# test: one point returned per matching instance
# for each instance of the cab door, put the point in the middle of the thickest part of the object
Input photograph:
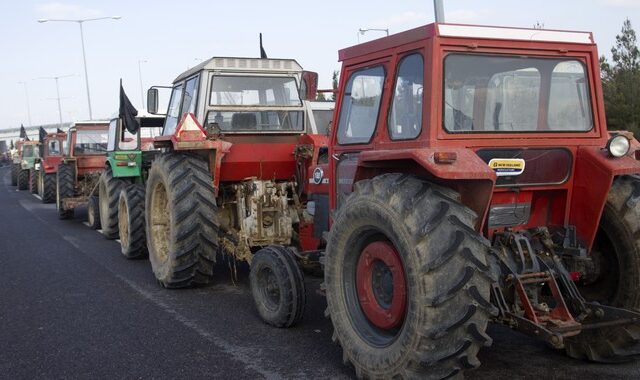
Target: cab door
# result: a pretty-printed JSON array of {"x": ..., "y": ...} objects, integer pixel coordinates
[{"x": 357, "y": 118}]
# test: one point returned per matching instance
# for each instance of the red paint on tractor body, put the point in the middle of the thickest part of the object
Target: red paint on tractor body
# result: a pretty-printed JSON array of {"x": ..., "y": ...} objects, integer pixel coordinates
[{"x": 578, "y": 199}]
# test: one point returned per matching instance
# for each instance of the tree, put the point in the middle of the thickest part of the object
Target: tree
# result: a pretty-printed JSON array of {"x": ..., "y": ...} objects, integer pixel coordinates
[
  {"x": 621, "y": 82},
  {"x": 11, "y": 145},
  {"x": 334, "y": 82},
  {"x": 320, "y": 97}
]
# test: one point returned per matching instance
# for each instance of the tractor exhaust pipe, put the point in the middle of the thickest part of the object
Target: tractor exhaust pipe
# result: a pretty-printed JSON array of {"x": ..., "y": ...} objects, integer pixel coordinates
[{"x": 439, "y": 11}]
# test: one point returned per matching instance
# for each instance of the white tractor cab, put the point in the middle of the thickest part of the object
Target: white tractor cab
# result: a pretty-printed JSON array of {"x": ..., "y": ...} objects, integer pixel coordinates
[{"x": 241, "y": 96}]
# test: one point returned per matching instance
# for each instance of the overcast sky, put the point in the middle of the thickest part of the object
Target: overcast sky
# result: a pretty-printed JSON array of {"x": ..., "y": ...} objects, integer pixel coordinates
[{"x": 174, "y": 35}]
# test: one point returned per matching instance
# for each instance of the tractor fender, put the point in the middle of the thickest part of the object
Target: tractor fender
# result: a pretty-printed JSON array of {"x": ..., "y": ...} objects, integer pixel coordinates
[
  {"x": 468, "y": 174},
  {"x": 593, "y": 178}
]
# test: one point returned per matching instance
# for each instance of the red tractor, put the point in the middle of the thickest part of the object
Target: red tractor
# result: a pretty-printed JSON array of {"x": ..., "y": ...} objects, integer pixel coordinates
[
  {"x": 80, "y": 168},
  {"x": 239, "y": 144},
  {"x": 43, "y": 178},
  {"x": 473, "y": 179}
]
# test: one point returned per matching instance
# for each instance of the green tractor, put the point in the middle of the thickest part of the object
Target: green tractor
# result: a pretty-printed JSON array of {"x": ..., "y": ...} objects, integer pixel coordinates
[
  {"x": 121, "y": 186},
  {"x": 24, "y": 163}
]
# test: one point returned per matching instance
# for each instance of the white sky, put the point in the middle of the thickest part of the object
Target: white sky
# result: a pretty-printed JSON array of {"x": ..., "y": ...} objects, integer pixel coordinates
[{"x": 174, "y": 35}]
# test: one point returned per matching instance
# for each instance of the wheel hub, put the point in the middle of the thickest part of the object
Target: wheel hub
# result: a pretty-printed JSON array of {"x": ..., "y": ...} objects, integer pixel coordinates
[{"x": 381, "y": 285}]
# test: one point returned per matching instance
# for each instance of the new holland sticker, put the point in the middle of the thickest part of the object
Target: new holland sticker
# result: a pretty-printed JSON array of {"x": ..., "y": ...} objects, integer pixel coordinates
[{"x": 507, "y": 166}]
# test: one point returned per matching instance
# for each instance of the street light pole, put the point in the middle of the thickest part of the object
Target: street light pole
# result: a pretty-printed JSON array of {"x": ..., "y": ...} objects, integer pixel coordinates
[
  {"x": 140, "y": 61},
  {"x": 364, "y": 30},
  {"x": 56, "y": 78},
  {"x": 84, "y": 56},
  {"x": 86, "y": 74},
  {"x": 26, "y": 95}
]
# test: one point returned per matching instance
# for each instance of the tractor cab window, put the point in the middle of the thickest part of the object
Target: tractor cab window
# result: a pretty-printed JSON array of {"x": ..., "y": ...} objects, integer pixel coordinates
[
  {"x": 360, "y": 106},
  {"x": 127, "y": 141},
  {"x": 254, "y": 103},
  {"x": 173, "y": 113},
  {"x": 514, "y": 94},
  {"x": 28, "y": 151},
  {"x": 189, "y": 97},
  {"x": 54, "y": 148},
  {"x": 323, "y": 119},
  {"x": 90, "y": 142},
  {"x": 405, "y": 118}
]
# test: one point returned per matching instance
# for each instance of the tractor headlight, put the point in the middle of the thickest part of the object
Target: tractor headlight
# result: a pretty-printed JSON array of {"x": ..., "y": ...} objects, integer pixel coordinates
[{"x": 618, "y": 145}]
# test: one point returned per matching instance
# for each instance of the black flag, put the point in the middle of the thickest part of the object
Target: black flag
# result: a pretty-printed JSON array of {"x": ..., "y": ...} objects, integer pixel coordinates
[
  {"x": 23, "y": 133},
  {"x": 128, "y": 112},
  {"x": 42, "y": 133},
  {"x": 263, "y": 54},
  {"x": 58, "y": 130}
]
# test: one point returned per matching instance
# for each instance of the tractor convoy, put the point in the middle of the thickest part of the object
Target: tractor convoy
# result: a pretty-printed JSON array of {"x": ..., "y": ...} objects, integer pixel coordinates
[{"x": 466, "y": 176}]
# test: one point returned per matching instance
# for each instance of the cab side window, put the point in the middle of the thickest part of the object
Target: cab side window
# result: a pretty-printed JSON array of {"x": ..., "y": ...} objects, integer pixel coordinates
[
  {"x": 360, "y": 106},
  {"x": 405, "y": 117}
]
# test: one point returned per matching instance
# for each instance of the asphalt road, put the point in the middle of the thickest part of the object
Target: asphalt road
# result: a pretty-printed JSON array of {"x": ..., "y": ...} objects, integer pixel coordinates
[{"x": 71, "y": 306}]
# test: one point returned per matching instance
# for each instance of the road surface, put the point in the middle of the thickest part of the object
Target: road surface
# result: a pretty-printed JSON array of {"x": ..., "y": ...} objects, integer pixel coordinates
[{"x": 71, "y": 306}]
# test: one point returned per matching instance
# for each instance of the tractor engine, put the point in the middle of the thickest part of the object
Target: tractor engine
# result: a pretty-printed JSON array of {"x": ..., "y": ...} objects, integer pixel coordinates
[{"x": 257, "y": 213}]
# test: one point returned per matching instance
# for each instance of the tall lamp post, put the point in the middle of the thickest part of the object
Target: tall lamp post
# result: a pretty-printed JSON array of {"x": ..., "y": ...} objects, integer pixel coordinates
[
  {"x": 362, "y": 31},
  {"x": 56, "y": 78},
  {"x": 26, "y": 95},
  {"x": 84, "y": 56},
  {"x": 140, "y": 62}
]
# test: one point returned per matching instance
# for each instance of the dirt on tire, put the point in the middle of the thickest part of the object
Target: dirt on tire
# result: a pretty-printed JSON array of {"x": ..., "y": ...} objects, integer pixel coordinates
[{"x": 181, "y": 220}]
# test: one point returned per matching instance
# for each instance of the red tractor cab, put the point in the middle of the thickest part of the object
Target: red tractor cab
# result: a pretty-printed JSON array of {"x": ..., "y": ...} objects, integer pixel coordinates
[
  {"x": 474, "y": 179},
  {"x": 81, "y": 166},
  {"x": 52, "y": 151}
]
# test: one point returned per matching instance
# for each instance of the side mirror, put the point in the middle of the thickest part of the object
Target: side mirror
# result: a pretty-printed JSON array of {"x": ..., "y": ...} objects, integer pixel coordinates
[
  {"x": 309, "y": 85},
  {"x": 152, "y": 101}
]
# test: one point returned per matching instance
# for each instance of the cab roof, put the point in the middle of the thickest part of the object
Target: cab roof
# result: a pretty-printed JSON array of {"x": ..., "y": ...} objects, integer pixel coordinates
[
  {"x": 435, "y": 30},
  {"x": 239, "y": 64}
]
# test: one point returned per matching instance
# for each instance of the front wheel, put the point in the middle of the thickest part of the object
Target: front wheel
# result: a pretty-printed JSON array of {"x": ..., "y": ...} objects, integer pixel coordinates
[
  {"x": 15, "y": 168},
  {"x": 33, "y": 181},
  {"x": 47, "y": 187},
  {"x": 407, "y": 280},
  {"x": 23, "y": 179},
  {"x": 93, "y": 213},
  {"x": 133, "y": 240},
  {"x": 181, "y": 220},
  {"x": 277, "y": 286},
  {"x": 65, "y": 188},
  {"x": 108, "y": 194},
  {"x": 616, "y": 252}
]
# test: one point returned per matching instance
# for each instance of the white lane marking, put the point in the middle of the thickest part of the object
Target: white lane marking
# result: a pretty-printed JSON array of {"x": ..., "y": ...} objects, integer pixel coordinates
[{"x": 37, "y": 196}]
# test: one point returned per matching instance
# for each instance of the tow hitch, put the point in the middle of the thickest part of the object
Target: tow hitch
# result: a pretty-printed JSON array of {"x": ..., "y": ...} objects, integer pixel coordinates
[{"x": 535, "y": 293}]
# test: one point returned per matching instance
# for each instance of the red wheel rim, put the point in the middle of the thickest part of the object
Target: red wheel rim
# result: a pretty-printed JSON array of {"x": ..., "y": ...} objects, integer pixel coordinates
[{"x": 381, "y": 285}]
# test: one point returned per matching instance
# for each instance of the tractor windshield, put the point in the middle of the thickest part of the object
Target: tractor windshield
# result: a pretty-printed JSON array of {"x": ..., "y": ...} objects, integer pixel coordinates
[
  {"x": 515, "y": 94},
  {"x": 28, "y": 151},
  {"x": 255, "y": 103},
  {"x": 91, "y": 142}
]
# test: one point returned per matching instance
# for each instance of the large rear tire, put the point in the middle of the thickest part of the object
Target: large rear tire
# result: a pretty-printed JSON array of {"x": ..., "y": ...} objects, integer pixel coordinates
[
  {"x": 109, "y": 194},
  {"x": 617, "y": 254},
  {"x": 48, "y": 187},
  {"x": 277, "y": 286},
  {"x": 407, "y": 280},
  {"x": 15, "y": 168},
  {"x": 23, "y": 179},
  {"x": 131, "y": 225},
  {"x": 65, "y": 188},
  {"x": 181, "y": 220}
]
